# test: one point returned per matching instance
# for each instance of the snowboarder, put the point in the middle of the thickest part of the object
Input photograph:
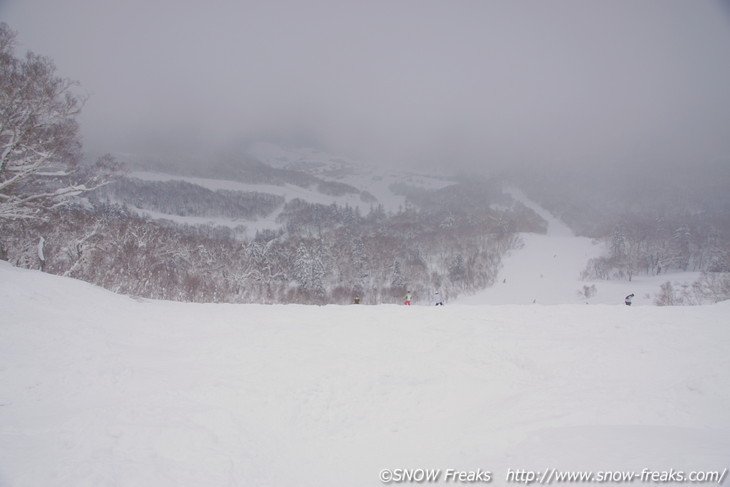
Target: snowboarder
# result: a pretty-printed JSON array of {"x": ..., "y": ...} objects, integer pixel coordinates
[
  {"x": 407, "y": 298},
  {"x": 437, "y": 299},
  {"x": 356, "y": 300},
  {"x": 628, "y": 299}
]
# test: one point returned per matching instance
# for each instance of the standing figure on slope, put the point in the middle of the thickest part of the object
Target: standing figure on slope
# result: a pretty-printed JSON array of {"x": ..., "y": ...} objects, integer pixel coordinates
[
  {"x": 356, "y": 300},
  {"x": 407, "y": 298},
  {"x": 438, "y": 299},
  {"x": 628, "y": 299}
]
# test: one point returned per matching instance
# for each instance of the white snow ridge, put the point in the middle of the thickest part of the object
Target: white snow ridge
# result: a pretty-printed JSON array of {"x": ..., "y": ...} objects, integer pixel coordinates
[{"x": 98, "y": 389}]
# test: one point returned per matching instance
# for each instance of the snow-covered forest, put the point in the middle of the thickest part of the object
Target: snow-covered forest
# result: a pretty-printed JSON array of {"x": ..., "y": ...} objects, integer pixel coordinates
[
  {"x": 300, "y": 226},
  {"x": 320, "y": 253},
  {"x": 87, "y": 221},
  {"x": 132, "y": 237}
]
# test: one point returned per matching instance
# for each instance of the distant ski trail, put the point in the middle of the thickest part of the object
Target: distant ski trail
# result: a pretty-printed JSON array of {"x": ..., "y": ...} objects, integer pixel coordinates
[
  {"x": 548, "y": 269},
  {"x": 556, "y": 226}
]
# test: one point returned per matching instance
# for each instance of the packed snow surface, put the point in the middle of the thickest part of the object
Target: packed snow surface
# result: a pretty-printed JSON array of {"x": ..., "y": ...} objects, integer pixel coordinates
[{"x": 98, "y": 389}]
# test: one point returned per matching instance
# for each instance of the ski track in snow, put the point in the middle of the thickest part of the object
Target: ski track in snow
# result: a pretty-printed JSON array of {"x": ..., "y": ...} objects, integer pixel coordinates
[{"x": 98, "y": 389}]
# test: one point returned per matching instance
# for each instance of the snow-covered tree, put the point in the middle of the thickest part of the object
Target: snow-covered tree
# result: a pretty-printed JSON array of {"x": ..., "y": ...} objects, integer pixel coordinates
[
  {"x": 309, "y": 270},
  {"x": 40, "y": 147},
  {"x": 682, "y": 248},
  {"x": 397, "y": 280},
  {"x": 457, "y": 269}
]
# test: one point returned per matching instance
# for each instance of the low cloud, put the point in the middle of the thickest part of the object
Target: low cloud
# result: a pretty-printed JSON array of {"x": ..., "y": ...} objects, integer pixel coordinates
[{"x": 462, "y": 84}]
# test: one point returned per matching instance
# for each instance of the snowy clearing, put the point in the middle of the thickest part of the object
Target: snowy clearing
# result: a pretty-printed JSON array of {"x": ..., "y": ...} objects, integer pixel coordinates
[{"x": 98, "y": 389}]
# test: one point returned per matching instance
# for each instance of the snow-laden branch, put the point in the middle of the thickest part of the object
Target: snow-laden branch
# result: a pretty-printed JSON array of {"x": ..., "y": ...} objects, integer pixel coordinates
[{"x": 39, "y": 139}]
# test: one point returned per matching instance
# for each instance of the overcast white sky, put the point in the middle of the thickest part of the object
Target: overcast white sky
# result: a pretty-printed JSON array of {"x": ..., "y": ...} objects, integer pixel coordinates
[{"x": 456, "y": 82}]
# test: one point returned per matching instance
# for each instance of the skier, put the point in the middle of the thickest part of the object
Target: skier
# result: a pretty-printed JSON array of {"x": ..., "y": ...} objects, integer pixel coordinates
[
  {"x": 356, "y": 300},
  {"x": 437, "y": 299},
  {"x": 628, "y": 299},
  {"x": 407, "y": 298}
]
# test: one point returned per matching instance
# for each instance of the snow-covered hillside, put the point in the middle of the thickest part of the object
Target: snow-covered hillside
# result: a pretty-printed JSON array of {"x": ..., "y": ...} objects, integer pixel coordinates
[
  {"x": 287, "y": 191},
  {"x": 330, "y": 167},
  {"x": 98, "y": 389},
  {"x": 379, "y": 186},
  {"x": 374, "y": 182},
  {"x": 547, "y": 269}
]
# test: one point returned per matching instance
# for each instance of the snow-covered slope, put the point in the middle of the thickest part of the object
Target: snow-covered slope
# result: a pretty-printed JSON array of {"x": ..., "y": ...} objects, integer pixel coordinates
[
  {"x": 374, "y": 184},
  {"x": 379, "y": 186},
  {"x": 547, "y": 270},
  {"x": 98, "y": 389},
  {"x": 287, "y": 191},
  {"x": 330, "y": 167}
]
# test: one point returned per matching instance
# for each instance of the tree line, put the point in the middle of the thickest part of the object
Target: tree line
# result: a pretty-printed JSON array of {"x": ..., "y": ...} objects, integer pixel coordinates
[
  {"x": 323, "y": 254},
  {"x": 56, "y": 216}
]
